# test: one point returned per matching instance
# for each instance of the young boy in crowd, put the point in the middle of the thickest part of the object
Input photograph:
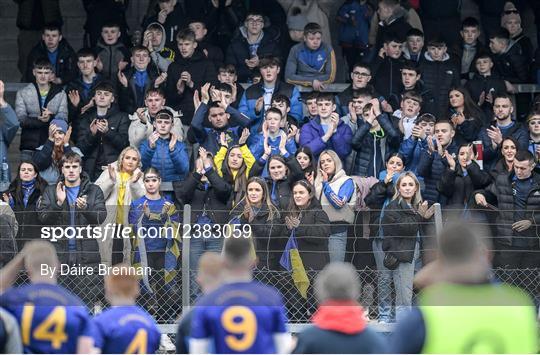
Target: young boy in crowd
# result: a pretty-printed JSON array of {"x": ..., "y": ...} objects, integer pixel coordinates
[
  {"x": 80, "y": 91},
  {"x": 374, "y": 140},
  {"x": 386, "y": 69},
  {"x": 227, "y": 75},
  {"x": 273, "y": 136},
  {"x": 360, "y": 78},
  {"x": 190, "y": 71},
  {"x": 142, "y": 120},
  {"x": 212, "y": 52},
  {"x": 56, "y": 48},
  {"x": 258, "y": 97},
  {"x": 412, "y": 147},
  {"x": 509, "y": 61},
  {"x": 470, "y": 46},
  {"x": 163, "y": 151},
  {"x": 103, "y": 131},
  {"x": 311, "y": 63},
  {"x": 439, "y": 74},
  {"x": 171, "y": 16},
  {"x": 485, "y": 84},
  {"x": 326, "y": 131},
  {"x": 414, "y": 46},
  {"x": 154, "y": 39},
  {"x": 312, "y": 111},
  {"x": 410, "y": 81},
  {"x": 36, "y": 105},
  {"x": 113, "y": 55},
  {"x": 136, "y": 80},
  {"x": 355, "y": 108},
  {"x": 411, "y": 104}
]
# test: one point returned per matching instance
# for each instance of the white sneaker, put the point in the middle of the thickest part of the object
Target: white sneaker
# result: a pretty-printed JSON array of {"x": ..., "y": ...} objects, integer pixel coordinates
[{"x": 166, "y": 345}]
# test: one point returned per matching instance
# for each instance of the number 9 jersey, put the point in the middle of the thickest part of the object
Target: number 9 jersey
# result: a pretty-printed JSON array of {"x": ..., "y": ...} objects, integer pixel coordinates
[
  {"x": 244, "y": 317},
  {"x": 50, "y": 317}
]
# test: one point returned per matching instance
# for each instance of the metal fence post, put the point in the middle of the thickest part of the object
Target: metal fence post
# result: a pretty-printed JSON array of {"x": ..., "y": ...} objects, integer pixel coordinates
[
  {"x": 438, "y": 219},
  {"x": 186, "y": 274}
]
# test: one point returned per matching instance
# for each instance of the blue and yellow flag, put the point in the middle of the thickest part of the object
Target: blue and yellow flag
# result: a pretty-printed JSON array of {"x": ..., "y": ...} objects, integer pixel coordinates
[
  {"x": 172, "y": 249},
  {"x": 292, "y": 262}
]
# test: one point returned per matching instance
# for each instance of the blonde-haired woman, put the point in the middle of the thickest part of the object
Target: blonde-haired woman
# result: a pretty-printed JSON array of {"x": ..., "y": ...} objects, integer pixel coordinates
[
  {"x": 402, "y": 225},
  {"x": 121, "y": 184},
  {"x": 337, "y": 193}
]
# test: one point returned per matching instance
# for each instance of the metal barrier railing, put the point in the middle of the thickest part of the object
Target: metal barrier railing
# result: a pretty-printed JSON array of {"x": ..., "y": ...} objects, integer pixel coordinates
[{"x": 163, "y": 301}]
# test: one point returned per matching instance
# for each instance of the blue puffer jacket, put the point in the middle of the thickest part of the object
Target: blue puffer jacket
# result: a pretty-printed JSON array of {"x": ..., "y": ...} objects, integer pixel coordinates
[
  {"x": 431, "y": 167},
  {"x": 252, "y": 93},
  {"x": 411, "y": 149},
  {"x": 173, "y": 166}
]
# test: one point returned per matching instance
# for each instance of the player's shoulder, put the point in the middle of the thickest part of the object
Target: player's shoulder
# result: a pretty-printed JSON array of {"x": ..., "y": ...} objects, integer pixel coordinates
[
  {"x": 124, "y": 315},
  {"x": 46, "y": 294},
  {"x": 254, "y": 290}
]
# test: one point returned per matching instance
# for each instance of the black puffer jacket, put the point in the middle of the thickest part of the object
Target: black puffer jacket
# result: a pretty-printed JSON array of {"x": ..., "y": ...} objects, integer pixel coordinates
[
  {"x": 512, "y": 64},
  {"x": 281, "y": 188},
  {"x": 32, "y": 17},
  {"x": 439, "y": 77},
  {"x": 501, "y": 190},
  {"x": 396, "y": 25},
  {"x": 431, "y": 167},
  {"x": 238, "y": 52},
  {"x": 102, "y": 149},
  {"x": 65, "y": 67},
  {"x": 131, "y": 98},
  {"x": 269, "y": 235},
  {"x": 202, "y": 71},
  {"x": 480, "y": 83},
  {"x": 312, "y": 236},
  {"x": 401, "y": 225},
  {"x": 50, "y": 213},
  {"x": 387, "y": 77},
  {"x": 458, "y": 187},
  {"x": 27, "y": 216},
  {"x": 372, "y": 152},
  {"x": 215, "y": 200}
]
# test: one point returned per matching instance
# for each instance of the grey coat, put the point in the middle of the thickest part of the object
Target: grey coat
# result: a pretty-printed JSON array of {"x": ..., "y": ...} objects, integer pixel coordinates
[{"x": 28, "y": 108}]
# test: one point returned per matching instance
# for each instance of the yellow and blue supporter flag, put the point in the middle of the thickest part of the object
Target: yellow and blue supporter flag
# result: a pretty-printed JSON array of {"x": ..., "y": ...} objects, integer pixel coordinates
[
  {"x": 172, "y": 249},
  {"x": 292, "y": 262}
]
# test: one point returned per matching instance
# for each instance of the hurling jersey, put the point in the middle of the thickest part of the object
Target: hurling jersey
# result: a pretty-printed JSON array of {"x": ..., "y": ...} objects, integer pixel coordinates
[
  {"x": 240, "y": 317},
  {"x": 126, "y": 330},
  {"x": 51, "y": 318}
]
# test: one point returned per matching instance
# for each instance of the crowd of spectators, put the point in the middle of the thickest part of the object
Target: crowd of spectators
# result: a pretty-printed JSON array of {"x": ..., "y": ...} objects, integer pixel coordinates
[{"x": 208, "y": 99}]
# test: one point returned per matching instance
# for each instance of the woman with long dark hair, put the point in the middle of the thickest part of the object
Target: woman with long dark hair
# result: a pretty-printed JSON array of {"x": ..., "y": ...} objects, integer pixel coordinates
[
  {"x": 505, "y": 165},
  {"x": 257, "y": 210},
  {"x": 464, "y": 114},
  {"x": 307, "y": 162},
  {"x": 233, "y": 165},
  {"x": 282, "y": 173},
  {"x": 22, "y": 196}
]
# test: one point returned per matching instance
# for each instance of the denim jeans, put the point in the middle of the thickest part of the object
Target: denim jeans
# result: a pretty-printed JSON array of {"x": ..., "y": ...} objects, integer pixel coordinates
[
  {"x": 337, "y": 243},
  {"x": 403, "y": 282},
  {"x": 384, "y": 277},
  {"x": 198, "y": 246}
]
